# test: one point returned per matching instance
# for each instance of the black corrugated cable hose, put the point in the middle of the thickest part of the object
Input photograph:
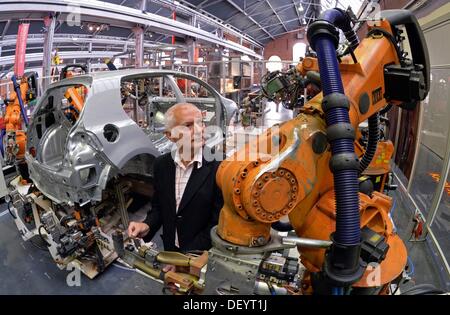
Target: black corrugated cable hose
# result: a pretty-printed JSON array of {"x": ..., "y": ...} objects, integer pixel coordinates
[{"x": 374, "y": 136}]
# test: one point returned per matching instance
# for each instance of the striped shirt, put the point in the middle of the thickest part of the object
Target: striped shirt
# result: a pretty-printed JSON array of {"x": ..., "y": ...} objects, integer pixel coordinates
[{"x": 182, "y": 175}]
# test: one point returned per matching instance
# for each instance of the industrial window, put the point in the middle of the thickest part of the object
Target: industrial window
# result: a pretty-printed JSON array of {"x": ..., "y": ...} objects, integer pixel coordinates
[
  {"x": 274, "y": 64},
  {"x": 298, "y": 51}
]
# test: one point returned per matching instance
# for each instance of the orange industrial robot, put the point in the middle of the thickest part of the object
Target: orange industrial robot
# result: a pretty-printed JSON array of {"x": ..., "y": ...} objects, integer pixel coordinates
[
  {"x": 308, "y": 169},
  {"x": 25, "y": 91},
  {"x": 75, "y": 95},
  {"x": 312, "y": 174}
]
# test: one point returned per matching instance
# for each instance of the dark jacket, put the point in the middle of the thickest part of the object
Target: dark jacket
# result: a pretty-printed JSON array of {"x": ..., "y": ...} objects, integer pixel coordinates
[{"x": 199, "y": 207}]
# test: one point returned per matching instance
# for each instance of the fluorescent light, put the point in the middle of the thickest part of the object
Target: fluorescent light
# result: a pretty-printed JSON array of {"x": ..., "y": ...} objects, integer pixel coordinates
[{"x": 300, "y": 8}]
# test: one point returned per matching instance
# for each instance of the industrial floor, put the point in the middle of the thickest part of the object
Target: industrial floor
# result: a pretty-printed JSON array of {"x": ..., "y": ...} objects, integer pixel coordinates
[{"x": 25, "y": 269}]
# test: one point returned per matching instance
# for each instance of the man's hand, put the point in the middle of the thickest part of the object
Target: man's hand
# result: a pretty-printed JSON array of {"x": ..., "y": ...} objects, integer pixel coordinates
[{"x": 138, "y": 229}]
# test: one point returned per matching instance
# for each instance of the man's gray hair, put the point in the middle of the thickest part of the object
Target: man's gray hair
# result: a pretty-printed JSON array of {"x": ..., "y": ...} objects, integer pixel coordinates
[{"x": 169, "y": 116}]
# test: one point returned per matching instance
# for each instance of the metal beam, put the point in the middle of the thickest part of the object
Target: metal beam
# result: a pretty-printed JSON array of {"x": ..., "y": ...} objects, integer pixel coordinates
[
  {"x": 139, "y": 47},
  {"x": 275, "y": 12},
  {"x": 249, "y": 17},
  {"x": 201, "y": 4},
  {"x": 207, "y": 18},
  {"x": 10, "y": 40},
  {"x": 5, "y": 29},
  {"x": 205, "y": 5},
  {"x": 278, "y": 23},
  {"x": 279, "y": 34},
  {"x": 253, "y": 5},
  {"x": 50, "y": 23},
  {"x": 120, "y": 16},
  {"x": 9, "y": 60},
  {"x": 265, "y": 37},
  {"x": 279, "y": 9},
  {"x": 307, "y": 9},
  {"x": 143, "y": 5},
  {"x": 296, "y": 11}
]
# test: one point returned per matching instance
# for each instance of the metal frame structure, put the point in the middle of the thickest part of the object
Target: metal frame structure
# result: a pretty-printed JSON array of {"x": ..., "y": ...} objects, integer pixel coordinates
[
  {"x": 115, "y": 15},
  {"x": 263, "y": 28},
  {"x": 439, "y": 190}
]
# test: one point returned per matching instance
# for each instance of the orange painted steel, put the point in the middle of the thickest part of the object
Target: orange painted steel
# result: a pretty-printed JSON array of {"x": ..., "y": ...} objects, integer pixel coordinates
[
  {"x": 13, "y": 121},
  {"x": 293, "y": 177},
  {"x": 75, "y": 98}
]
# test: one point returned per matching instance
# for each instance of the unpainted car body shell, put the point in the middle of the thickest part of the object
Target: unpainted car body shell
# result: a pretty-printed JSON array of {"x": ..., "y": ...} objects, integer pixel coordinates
[{"x": 74, "y": 163}]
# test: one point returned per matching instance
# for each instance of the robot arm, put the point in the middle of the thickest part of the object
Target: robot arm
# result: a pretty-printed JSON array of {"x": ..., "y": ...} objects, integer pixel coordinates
[{"x": 307, "y": 167}]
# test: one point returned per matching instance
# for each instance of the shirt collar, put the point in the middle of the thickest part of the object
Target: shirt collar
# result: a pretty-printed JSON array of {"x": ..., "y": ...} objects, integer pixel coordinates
[{"x": 198, "y": 157}]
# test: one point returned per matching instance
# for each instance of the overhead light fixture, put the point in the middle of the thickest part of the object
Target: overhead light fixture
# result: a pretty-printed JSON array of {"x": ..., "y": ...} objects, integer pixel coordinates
[
  {"x": 300, "y": 8},
  {"x": 95, "y": 27}
]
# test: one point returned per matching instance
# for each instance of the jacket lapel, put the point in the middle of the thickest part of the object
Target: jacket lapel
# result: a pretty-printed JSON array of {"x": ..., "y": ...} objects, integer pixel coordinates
[
  {"x": 196, "y": 179},
  {"x": 170, "y": 183}
]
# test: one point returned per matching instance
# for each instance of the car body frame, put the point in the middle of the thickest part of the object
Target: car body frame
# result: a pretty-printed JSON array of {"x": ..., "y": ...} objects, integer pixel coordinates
[{"x": 71, "y": 162}]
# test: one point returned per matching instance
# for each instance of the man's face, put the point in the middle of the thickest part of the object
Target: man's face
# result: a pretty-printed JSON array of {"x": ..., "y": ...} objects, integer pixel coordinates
[{"x": 188, "y": 130}]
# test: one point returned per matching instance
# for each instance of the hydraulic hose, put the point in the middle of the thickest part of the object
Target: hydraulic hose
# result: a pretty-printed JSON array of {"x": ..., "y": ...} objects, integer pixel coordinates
[
  {"x": 323, "y": 37},
  {"x": 341, "y": 20},
  {"x": 342, "y": 264},
  {"x": 371, "y": 148},
  {"x": 2, "y": 134},
  {"x": 19, "y": 97}
]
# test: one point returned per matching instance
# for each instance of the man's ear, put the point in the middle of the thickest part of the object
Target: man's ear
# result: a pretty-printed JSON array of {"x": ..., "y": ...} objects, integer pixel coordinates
[{"x": 168, "y": 135}]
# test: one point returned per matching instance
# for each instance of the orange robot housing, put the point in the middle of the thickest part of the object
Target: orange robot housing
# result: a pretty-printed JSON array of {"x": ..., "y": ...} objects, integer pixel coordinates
[
  {"x": 13, "y": 123},
  {"x": 286, "y": 170}
]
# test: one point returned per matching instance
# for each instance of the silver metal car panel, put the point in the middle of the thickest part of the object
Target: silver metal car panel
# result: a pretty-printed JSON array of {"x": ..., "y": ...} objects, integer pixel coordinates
[{"x": 81, "y": 170}]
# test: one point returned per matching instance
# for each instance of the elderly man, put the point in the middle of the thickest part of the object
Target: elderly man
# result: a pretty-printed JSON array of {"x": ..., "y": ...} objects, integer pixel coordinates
[{"x": 187, "y": 200}]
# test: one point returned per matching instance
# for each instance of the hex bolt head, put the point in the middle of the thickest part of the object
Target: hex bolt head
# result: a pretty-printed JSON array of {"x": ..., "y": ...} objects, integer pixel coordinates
[{"x": 261, "y": 240}]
